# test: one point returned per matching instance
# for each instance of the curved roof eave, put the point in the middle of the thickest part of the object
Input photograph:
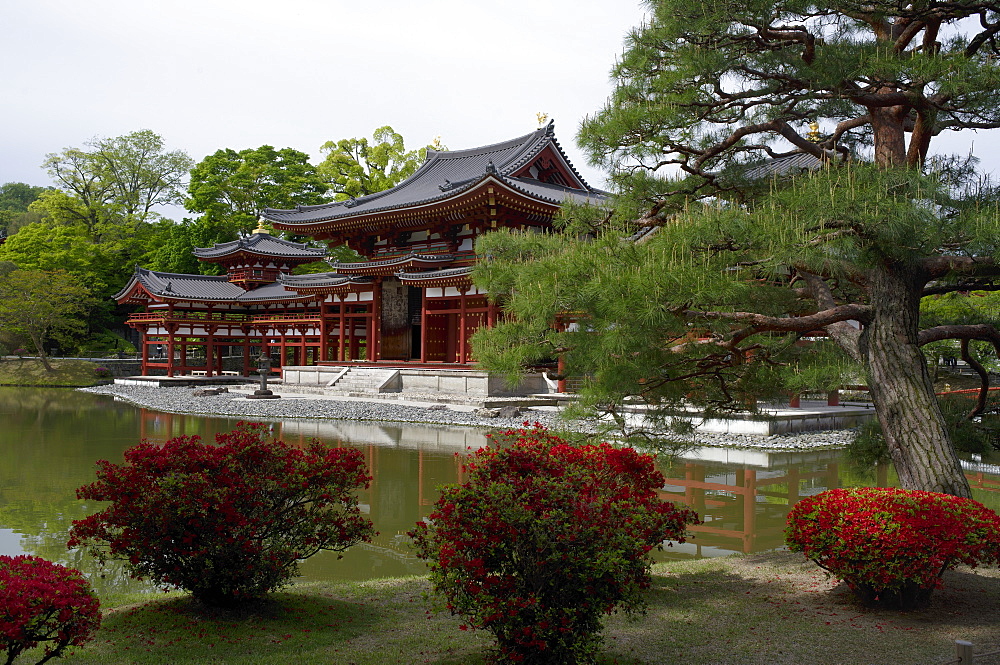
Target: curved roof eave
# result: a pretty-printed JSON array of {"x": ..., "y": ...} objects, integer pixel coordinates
[
  {"x": 509, "y": 184},
  {"x": 261, "y": 244},
  {"x": 443, "y": 176}
]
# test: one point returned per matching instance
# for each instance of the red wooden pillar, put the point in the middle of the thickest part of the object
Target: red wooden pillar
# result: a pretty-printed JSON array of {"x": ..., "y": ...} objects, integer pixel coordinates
[
  {"x": 342, "y": 344},
  {"x": 170, "y": 349},
  {"x": 324, "y": 334},
  {"x": 833, "y": 398},
  {"x": 374, "y": 335},
  {"x": 144, "y": 367},
  {"x": 462, "y": 332},
  {"x": 423, "y": 325},
  {"x": 171, "y": 328},
  {"x": 491, "y": 313}
]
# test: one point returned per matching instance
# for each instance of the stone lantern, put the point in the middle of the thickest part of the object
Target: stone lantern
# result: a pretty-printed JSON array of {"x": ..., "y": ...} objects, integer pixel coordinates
[{"x": 263, "y": 368}]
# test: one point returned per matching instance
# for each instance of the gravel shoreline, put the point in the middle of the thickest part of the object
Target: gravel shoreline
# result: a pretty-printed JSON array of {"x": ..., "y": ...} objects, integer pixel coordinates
[{"x": 300, "y": 406}]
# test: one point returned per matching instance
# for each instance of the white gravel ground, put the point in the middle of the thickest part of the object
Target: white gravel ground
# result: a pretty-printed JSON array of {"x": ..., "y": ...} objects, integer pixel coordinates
[{"x": 183, "y": 400}]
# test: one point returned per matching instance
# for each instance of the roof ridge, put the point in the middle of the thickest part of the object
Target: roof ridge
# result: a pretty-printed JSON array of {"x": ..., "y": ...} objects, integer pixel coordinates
[
  {"x": 433, "y": 157},
  {"x": 181, "y": 274},
  {"x": 495, "y": 147}
]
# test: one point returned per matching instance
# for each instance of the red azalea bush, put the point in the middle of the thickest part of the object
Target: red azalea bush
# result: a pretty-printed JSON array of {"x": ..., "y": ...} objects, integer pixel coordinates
[
  {"x": 226, "y": 522},
  {"x": 891, "y": 545},
  {"x": 44, "y": 603},
  {"x": 544, "y": 538}
]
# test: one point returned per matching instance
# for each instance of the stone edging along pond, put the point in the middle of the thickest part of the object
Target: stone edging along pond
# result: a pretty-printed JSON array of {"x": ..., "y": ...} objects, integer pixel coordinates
[{"x": 234, "y": 404}]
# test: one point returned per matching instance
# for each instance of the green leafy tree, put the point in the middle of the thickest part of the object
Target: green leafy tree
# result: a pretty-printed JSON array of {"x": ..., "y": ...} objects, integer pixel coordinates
[
  {"x": 172, "y": 244},
  {"x": 357, "y": 167},
  {"x": 114, "y": 184},
  {"x": 15, "y": 197},
  {"x": 50, "y": 246},
  {"x": 18, "y": 196},
  {"x": 748, "y": 276},
  {"x": 232, "y": 188},
  {"x": 39, "y": 304}
]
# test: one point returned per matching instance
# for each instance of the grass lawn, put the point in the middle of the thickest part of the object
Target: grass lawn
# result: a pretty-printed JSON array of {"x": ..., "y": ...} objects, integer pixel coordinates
[
  {"x": 772, "y": 609},
  {"x": 31, "y": 372}
]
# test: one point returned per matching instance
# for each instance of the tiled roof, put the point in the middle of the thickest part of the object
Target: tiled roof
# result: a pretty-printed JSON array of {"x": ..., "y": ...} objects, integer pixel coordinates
[
  {"x": 188, "y": 288},
  {"x": 434, "y": 275},
  {"x": 263, "y": 244},
  {"x": 448, "y": 173},
  {"x": 385, "y": 266},
  {"x": 789, "y": 164},
  {"x": 556, "y": 193},
  {"x": 321, "y": 280}
]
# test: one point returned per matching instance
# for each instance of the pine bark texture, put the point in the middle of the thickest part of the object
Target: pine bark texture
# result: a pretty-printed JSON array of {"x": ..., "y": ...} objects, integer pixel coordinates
[{"x": 901, "y": 387}]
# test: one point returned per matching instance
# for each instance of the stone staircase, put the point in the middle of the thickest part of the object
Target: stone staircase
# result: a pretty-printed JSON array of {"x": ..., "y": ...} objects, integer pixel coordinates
[{"x": 366, "y": 381}]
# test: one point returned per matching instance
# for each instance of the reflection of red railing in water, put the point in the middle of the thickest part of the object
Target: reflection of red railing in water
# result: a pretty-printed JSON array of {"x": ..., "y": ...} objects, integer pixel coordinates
[
  {"x": 759, "y": 526},
  {"x": 713, "y": 503}
]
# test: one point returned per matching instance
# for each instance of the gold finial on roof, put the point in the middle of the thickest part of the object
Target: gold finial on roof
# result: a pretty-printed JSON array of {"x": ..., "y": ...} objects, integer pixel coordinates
[
  {"x": 814, "y": 134},
  {"x": 260, "y": 227},
  {"x": 542, "y": 117}
]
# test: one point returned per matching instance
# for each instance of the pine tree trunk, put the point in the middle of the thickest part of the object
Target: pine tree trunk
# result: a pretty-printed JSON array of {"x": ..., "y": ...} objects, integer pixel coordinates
[{"x": 901, "y": 387}]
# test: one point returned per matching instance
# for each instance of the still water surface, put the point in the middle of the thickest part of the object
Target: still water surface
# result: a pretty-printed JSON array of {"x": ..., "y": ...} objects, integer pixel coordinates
[{"x": 50, "y": 440}]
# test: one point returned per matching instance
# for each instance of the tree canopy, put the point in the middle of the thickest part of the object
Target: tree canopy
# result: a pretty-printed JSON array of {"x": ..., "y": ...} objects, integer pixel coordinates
[
  {"x": 356, "y": 167},
  {"x": 15, "y": 198},
  {"x": 114, "y": 182},
  {"x": 711, "y": 88},
  {"x": 231, "y": 188},
  {"x": 39, "y": 304},
  {"x": 751, "y": 253}
]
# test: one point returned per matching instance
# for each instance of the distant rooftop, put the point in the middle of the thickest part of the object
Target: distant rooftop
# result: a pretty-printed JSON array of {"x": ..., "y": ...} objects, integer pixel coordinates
[
  {"x": 261, "y": 244},
  {"x": 199, "y": 288}
]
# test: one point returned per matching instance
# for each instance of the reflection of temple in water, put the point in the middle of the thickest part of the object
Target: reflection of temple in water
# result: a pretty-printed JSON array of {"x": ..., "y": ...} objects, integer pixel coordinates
[
  {"x": 743, "y": 496},
  {"x": 408, "y": 464}
]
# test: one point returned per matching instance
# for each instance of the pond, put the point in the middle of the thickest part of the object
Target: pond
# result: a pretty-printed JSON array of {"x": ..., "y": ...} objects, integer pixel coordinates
[{"x": 51, "y": 439}]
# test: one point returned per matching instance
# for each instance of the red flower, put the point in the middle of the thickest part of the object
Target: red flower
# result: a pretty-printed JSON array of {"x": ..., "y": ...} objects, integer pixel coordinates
[
  {"x": 892, "y": 545},
  {"x": 227, "y": 522},
  {"x": 44, "y": 603}
]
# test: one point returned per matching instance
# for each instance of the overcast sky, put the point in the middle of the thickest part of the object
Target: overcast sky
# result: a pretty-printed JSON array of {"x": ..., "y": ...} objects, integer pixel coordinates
[{"x": 211, "y": 74}]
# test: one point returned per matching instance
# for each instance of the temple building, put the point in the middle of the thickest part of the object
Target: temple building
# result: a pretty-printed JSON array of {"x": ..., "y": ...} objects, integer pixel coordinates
[{"x": 409, "y": 303}]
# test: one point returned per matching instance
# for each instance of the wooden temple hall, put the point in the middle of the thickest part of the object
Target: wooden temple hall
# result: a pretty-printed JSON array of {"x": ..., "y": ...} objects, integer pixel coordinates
[{"x": 410, "y": 301}]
